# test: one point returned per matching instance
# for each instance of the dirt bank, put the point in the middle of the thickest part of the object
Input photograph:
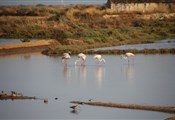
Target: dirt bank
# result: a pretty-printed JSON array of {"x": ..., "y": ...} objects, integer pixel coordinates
[
  {"x": 166, "y": 109},
  {"x": 26, "y": 47}
]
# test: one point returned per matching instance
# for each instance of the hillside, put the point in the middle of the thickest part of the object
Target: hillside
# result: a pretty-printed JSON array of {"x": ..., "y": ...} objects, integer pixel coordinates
[{"x": 84, "y": 26}]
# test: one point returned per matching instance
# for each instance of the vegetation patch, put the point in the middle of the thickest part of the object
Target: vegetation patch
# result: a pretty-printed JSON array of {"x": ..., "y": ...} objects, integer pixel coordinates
[
  {"x": 135, "y": 51},
  {"x": 80, "y": 27}
]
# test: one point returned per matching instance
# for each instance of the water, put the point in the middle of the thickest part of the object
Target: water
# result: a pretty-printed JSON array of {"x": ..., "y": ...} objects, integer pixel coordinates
[
  {"x": 6, "y": 41},
  {"x": 149, "y": 81},
  {"x": 50, "y": 2},
  {"x": 169, "y": 43}
]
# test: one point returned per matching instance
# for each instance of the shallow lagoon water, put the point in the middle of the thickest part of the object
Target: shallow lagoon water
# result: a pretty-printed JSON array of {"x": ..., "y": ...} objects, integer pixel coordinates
[
  {"x": 50, "y": 2},
  {"x": 149, "y": 81},
  {"x": 7, "y": 41},
  {"x": 167, "y": 43}
]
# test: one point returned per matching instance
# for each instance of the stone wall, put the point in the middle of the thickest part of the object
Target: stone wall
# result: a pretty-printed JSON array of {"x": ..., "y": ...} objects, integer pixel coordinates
[{"x": 143, "y": 7}]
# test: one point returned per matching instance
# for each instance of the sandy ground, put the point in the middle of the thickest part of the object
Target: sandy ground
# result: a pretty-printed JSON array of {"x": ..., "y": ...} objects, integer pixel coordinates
[{"x": 25, "y": 47}]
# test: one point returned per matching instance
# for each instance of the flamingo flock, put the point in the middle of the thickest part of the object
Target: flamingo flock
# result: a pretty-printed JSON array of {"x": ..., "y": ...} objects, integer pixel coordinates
[
  {"x": 98, "y": 58},
  {"x": 81, "y": 61}
]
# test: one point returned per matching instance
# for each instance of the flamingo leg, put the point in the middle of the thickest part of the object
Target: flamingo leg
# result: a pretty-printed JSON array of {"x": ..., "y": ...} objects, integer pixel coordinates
[
  {"x": 98, "y": 61},
  {"x": 82, "y": 62},
  {"x": 132, "y": 60},
  {"x": 65, "y": 62}
]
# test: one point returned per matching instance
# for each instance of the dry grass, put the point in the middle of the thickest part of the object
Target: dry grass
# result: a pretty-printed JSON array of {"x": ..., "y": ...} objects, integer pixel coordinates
[
  {"x": 27, "y": 44},
  {"x": 93, "y": 25}
]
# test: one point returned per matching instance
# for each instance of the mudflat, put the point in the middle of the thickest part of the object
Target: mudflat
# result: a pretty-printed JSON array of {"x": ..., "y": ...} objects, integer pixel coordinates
[{"x": 25, "y": 47}]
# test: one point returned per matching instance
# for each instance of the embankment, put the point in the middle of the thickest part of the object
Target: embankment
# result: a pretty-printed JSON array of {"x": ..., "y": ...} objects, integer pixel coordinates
[
  {"x": 26, "y": 47},
  {"x": 166, "y": 109}
]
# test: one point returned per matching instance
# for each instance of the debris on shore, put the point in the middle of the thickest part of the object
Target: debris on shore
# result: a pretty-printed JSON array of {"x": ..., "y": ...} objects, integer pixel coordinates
[{"x": 15, "y": 96}]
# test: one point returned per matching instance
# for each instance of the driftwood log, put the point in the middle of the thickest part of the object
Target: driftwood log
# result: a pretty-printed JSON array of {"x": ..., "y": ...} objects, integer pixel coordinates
[
  {"x": 166, "y": 109},
  {"x": 14, "y": 97}
]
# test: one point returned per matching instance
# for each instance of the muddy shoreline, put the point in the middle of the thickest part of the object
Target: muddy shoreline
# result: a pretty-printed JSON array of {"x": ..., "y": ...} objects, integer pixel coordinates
[
  {"x": 45, "y": 47},
  {"x": 27, "y": 47},
  {"x": 166, "y": 109}
]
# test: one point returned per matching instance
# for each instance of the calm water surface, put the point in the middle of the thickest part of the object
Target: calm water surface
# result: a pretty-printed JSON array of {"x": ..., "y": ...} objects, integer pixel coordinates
[
  {"x": 168, "y": 43},
  {"x": 50, "y": 2},
  {"x": 7, "y": 41},
  {"x": 149, "y": 81}
]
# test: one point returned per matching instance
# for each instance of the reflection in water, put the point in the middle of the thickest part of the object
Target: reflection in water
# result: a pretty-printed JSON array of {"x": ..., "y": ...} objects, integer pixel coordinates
[
  {"x": 128, "y": 60},
  {"x": 99, "y": 74},
  {"x": 129, "y": 71},
  {"x": 27, "y": 57},
  {"x": 81, "y": 72},
  {"x": 67, "y": 73},
  {"x": 75, "y": 111},
  {"x": 22, "y": 55}
]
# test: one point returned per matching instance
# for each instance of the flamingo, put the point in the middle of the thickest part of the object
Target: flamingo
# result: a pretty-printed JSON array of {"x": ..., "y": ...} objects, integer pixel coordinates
[
  {"x": 99, "y": 59},
  {"x": 65, "y": 57},
  {"x": 81, "y": 58},
  {"x": 127, "y": 56}
]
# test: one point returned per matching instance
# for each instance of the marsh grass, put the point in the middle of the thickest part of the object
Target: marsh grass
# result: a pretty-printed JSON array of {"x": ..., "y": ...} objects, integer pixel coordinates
[
  {"x": 135, "y": 51},
  {"x": 82, "y": 22}
]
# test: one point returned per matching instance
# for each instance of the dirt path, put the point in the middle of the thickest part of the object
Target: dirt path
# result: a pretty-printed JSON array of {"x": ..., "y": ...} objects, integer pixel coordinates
[{"x": 26, "y": 47}]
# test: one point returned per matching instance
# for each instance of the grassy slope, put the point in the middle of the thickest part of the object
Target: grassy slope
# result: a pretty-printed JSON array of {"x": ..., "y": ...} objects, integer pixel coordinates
[{"x": 80, "y": 27}]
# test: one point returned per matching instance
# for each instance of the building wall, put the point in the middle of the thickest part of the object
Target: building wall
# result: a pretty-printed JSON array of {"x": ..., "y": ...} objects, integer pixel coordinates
[{"x": 143, "y": 7}]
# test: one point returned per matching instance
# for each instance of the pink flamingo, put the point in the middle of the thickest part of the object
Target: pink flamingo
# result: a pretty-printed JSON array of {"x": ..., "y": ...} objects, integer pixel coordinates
[
  {"x": 81, "y": 59},
  {"x": 127, "y": 56},
  {"x": 65, "y": 57},
  {"x": 99, "y": 59}
]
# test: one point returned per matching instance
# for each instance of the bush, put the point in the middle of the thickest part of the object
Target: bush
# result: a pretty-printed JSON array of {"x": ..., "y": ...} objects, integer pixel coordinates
[
  {"x": 58, "y": 16},
  {"x": 137, "y": 23},
  {"x": 59, "y": 35}
]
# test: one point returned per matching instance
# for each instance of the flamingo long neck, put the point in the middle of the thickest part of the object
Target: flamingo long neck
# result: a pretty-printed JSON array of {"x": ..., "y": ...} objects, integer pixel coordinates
[
  {"x": 124, "y": 57},
  {"x": 102, "y": 60},
  {"x": 80, "y": 60},
  {"x": 76, "y": 61}
]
